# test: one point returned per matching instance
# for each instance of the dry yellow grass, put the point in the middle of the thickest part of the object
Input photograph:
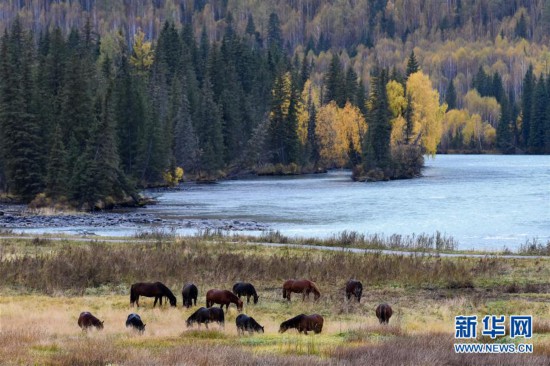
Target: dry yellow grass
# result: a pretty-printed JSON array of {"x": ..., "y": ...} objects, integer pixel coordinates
[{"x": 39, "y": 325}]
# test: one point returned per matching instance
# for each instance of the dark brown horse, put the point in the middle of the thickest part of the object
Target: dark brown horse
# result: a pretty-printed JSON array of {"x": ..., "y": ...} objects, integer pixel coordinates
[
  {"x": 384, "y": 313},
  {"x": 304, "y": 323},
  {"x": 156, "y": 289},
  {"x": 305, "y": 287},
  {"x": 87, "y": 320},
  {"x": 205, "y": 316},
  {"x": 355, "y": 288},
  {"x": 223, "y": 297}
]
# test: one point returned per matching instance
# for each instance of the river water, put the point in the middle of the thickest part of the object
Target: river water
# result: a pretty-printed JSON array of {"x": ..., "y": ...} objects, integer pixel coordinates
[{"x": 482, "y": 201}]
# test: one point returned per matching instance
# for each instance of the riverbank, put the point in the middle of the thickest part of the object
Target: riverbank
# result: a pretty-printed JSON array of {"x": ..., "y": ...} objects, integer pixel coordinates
[{"x": 58, "y": 280}]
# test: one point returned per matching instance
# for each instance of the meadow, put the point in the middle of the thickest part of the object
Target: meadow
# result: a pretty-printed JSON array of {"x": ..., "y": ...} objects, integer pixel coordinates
[{"x": 46, "y": 284}]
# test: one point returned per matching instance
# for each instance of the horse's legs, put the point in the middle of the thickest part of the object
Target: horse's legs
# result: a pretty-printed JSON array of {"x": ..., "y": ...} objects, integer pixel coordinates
[
  {"x": 137, "y": 301},
  {"x": 155, "y": 303},
  {"x": 160, "y": 301},
  {"x": 248, "y": 299},
  {"x": 195, "y": 301}
]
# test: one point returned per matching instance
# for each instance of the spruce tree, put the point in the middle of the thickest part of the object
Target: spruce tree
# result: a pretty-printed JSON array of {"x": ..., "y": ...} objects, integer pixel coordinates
[
  {"x": 450, "y": 95},
  {"x": 376, "y": 147},
  {"x": 504, "y": 131},
  {"x": 20, "y": 128},
  {"x": 334, "y": 83},
  {"x": 539, "y": 116},
  {"x": 210, "y": 131},
  {"x": 57, "y": 175},
  {"x": 412, "y": 65},
  {"x": 527, "y": 105}
]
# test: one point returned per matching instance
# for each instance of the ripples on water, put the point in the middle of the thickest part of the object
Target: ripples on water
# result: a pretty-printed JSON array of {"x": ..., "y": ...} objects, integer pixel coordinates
[{"x": 483, "y": 201}]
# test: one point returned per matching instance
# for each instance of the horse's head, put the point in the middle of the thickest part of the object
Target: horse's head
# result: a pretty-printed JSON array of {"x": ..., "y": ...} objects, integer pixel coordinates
[
  {"x": 316, "y": 294},
  {"x": 173, "y": 301},
  {"x": 262, "y": 329},
  {"x": 256, "y": 297},
  {"x": 189, "y": 322},
  {"x": 100, "y": 325},
  {"x": 283, "y": 328},
  {"x": 240, "y": 305}
]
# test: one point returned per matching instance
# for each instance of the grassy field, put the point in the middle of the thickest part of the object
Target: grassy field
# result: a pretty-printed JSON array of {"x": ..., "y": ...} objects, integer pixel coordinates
[{"x": 46, "y": 284}]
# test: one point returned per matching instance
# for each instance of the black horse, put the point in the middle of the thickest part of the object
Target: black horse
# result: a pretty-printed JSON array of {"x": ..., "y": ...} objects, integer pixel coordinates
[
  {"x": 156, "y": 289},
  {"x": 247, "y": 323},
  {"x": 206, "y": 315},
  {"x": 135, "y": 322},
  {"x": 189, "y": 294},
  {"x": 245, "y": 289}
]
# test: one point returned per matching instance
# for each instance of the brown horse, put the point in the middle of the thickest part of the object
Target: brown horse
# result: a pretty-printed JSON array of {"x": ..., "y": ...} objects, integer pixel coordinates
[
  {"x": 384, "y": 313},
  {"x": 304, "y": 323},
  {"x": 355, "y": 288},
  {"x": 223, "y": 297},
  {"x": 87, "y": 320},
  {"x": 300, "y": 286},
  {"x": 156, "y": 289}
]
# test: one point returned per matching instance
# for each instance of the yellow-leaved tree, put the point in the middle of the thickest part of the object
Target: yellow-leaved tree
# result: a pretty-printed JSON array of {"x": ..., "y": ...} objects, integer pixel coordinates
[
  {"x": 143, "y": 56},
  {"x": 310, "y": 95},
  {"x": 398, "y": 103},
  {"x": 338, "y": 131},
  {"x": 427, "y": 112}
]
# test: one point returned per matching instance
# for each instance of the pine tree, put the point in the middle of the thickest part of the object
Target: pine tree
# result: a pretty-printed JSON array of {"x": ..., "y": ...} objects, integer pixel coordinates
[
  {"x": 504, "y": 131},
  {"x": 376, "y": 147},
  {"x": 210, "y": 131},
  {"x": 57, "y": 174},
  {"x": 539, "y": 117},
  {"x": 412, "y": 65},
  {"x": 527, "y": 105},
  {"x": 186, "y": 143},
  {"x": 450, "y": 95},
  {"x": 350, "y": 89},
  {"x": 21, "y": 133},
  {"x": 334, "y": 83},
  {"x": 521, "y": 27}
]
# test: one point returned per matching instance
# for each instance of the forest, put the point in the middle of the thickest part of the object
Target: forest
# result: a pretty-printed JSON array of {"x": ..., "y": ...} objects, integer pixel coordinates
[{"x": 99, "y": 99}]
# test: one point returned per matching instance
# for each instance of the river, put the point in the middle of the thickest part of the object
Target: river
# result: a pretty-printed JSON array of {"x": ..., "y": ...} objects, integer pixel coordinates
[{"x": 482, "y": 201}]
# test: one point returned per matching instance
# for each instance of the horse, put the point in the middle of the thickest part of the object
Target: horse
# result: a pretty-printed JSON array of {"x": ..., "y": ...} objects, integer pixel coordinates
[
  {"x": 245, "y": 289},
  {"x": 355, "y": 288},
  {"x": 189, "y": 293},
  {"x": 206, "y": 315},
  {"x": 135, "y": 322},
  {"x": 300, "y": 286},
  {"x": 384, "y": 313},
  {"x": 223, "y": 297},
  {"x": 247, "y": 323},
  {"x": 87, "y": 320},
  {"x": 156, "y": 289},
  {"x": 303, "y": 323}
]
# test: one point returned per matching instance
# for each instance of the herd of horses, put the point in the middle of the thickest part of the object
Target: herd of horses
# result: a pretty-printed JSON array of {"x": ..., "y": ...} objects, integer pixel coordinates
[{"x": 210, "y": 314}]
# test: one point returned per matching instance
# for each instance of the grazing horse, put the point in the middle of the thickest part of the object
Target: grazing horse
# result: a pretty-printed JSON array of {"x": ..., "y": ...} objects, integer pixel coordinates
[
  {"x": 223, "y": 297},
  {"x": 156, "y": 289},
  {"x": 135, "y": 322},
  {"x": 247, "y": 323},
  {"x": 245, "y": 289},
  {"x": 355, "y": 288},
  {"x": 384, "y": 313},
  {"x": 304, "y": 323},
  {"x": 206, "y": 315},
  {"x": 189, "y": 293},
  {"x": 87, "y": 320},
  {"x": 300, "y": 286}
]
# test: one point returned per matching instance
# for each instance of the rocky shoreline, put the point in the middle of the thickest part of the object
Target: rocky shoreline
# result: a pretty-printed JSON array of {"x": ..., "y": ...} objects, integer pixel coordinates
[{"x": 17, "y": 217}]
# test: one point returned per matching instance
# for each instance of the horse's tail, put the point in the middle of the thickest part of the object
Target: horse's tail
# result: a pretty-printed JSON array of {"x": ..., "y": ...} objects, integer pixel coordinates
[
  {"x": 133, "y": 295},
  {"x": 315, "y": 290}
]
